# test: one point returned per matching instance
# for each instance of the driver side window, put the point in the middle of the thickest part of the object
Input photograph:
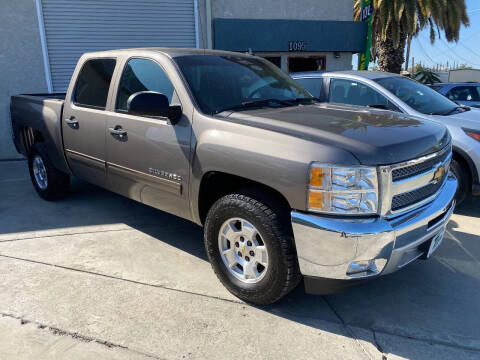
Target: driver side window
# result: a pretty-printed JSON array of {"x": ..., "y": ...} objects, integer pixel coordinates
[
  {"x": 355, "y": 93},
  {"x": 142, "y": 75}
]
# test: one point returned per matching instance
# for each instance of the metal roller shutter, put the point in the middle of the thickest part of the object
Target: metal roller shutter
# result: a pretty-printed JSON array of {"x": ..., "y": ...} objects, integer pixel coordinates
[{"x": 73, "y": 27}]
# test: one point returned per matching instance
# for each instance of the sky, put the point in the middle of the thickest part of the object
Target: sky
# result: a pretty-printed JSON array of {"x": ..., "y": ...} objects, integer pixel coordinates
[{"x": 466, "y": 51}]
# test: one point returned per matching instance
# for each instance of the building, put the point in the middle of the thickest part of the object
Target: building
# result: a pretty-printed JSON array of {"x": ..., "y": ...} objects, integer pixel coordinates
[
  {"x": 41, "y": 40},
  {"x": 464, "y": 75}
]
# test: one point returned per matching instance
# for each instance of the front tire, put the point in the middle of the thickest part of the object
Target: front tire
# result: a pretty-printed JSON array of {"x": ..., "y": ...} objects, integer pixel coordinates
[
  {"x": 50, "y": 183},
  {"x": 464, "y": 180},
  {"x": 251, "y": 249}
]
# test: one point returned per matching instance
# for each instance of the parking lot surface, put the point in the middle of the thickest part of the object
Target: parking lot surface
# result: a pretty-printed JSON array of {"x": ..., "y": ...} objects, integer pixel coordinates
[{"x": 98, "y": 275}]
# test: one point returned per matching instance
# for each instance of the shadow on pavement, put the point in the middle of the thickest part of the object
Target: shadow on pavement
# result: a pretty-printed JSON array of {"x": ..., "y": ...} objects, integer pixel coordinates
[
  {"x": 436, "y": 300},
  {"x": 470, "y": 207}
]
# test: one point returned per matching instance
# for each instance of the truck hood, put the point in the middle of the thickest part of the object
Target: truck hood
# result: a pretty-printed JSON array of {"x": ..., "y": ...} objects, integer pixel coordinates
[{"x": 374, "y": 137}]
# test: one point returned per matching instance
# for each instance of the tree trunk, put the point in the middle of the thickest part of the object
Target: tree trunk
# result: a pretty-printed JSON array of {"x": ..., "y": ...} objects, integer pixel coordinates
[{"x": 390, "y": 59}]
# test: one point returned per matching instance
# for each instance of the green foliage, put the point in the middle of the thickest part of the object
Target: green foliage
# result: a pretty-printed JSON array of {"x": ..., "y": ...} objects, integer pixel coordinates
[
  {"x": 426, "y": 76},
  {"x": 395, "y": 20},
  {"x": 464, "y": 67},
  {"x": 410, "y": 16}
]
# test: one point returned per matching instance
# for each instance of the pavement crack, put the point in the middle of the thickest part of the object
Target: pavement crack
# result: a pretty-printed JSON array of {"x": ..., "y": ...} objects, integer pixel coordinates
[
  {"x": 378, "y": 346},
  {"x": 77, "y": 336},
  {"x": 66, "y": 234},
  {"x": 348, "y": 329},
  {"x": 344, "y": 324},
  {"x": 122, "y": 279},
  {"x": 130, "y": 228}
]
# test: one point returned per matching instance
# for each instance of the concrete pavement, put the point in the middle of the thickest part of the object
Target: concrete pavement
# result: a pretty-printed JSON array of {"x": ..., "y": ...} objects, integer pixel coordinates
[{"x": 100, "y": 275}]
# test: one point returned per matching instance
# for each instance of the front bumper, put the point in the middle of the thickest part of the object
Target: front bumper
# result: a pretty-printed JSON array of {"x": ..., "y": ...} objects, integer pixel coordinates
[{"x": 331, "y": 248}]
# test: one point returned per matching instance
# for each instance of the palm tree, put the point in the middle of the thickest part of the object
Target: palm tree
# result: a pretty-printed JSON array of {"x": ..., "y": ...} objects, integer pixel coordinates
[
  {"x": 426, "y": 76},
  {"x": 395, "y": 20}
]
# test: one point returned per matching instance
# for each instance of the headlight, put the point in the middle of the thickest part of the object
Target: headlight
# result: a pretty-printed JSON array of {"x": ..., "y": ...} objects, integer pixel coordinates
[
  {"x": 475, "y": 134},
  {"x": 343, "y": 190}
]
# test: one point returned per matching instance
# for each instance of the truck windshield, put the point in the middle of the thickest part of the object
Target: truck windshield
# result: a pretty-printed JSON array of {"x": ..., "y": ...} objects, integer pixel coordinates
[
  {"x": 418, "y": 96},
  {"x": 224, "y": 82}
]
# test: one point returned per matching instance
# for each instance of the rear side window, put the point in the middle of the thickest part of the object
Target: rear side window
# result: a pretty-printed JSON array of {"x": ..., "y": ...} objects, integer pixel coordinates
[
  {"x": 142, "y": 75},
  {"x": 91, "y": 89},
  {"x": 463, "y": 93},
  {"x": 314, "y": 86}
]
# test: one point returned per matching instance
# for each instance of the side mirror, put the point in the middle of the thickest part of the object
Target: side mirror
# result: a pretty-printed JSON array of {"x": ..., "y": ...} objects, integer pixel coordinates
[{"x": 151, "y": 103}]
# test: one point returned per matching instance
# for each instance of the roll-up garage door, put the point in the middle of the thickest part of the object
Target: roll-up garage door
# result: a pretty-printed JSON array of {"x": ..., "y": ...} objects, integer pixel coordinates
[{"x": 73, "y": 27}]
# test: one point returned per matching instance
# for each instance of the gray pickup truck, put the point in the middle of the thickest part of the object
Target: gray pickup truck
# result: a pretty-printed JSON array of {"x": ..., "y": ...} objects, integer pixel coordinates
[{"x": 284, "y": 187}]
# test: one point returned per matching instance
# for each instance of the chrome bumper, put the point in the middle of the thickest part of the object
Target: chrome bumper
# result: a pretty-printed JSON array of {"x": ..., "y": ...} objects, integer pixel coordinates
[{"x": 335, "y": 248}]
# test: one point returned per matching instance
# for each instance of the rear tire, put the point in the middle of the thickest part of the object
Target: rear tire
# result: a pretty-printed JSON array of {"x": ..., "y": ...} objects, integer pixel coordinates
[
  {"x": 51, "y": 184},
  {"x": 270, "y": 278},
  {"x": 462, "y": 174}
]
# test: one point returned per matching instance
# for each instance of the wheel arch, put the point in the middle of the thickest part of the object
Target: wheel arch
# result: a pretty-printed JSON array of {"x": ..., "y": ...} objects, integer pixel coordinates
[
  {"x": 216, "y": 184},
  {"x": 461, "y": 155}
]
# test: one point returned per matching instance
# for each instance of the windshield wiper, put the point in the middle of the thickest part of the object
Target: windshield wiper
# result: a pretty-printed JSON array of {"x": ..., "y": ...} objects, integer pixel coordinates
[
  {"x": 449, "y": 112},
  {"x": 254, "y": 103}
]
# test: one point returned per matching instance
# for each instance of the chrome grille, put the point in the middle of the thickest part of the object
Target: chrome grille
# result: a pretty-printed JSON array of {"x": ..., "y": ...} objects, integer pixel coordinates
[
  {"x": 401, "y": 201},
  {"x": 414, "y": 182},
  {"x": 415, "y": 169}
]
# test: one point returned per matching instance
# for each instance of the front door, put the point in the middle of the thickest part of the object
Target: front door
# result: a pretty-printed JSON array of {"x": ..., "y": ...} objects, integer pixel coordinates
[
  {"x": 84, "y": 121},
  {"x": 147, "y": 157}
]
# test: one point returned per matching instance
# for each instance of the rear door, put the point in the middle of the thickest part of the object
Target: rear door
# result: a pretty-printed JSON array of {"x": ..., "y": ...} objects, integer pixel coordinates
[
  {"x": 84, "y": 120},
  {"x": 148, "y": 158}
]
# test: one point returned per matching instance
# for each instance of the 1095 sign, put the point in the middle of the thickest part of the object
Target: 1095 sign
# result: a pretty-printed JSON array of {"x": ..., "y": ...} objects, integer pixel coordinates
[{"x": 297, "y": 46}]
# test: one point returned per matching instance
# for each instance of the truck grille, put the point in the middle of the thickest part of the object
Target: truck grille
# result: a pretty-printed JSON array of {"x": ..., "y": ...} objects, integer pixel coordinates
[
  {"x": 406, "y": 199},
  {"x": 414, "y": 182},
  {"x": 415, "y": 169}
]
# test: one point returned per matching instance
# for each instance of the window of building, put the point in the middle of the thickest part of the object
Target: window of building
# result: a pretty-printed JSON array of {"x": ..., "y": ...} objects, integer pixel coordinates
[
  {"x": 275, "y": 60},
  {"x": 142, "y": 75},
  {"x": 355, "y": 93},
  {"x": 306, "y": 63},
  {"x": 93, "y": 82},
  {"x": 464, "y": 93}
]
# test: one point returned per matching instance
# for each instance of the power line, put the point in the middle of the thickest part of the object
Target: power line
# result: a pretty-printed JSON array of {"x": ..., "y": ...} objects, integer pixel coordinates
[
  {"x": 458, "y": 56},
  {"x": 424, "y": 52}
]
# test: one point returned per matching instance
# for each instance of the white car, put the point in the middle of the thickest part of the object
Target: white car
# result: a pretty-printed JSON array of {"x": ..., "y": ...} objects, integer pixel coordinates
[{"x": 394, "y": 92}]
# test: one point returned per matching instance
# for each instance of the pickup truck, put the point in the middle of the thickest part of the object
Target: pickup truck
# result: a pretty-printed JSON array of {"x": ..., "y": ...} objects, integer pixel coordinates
[{"x": 285, "y": 187}]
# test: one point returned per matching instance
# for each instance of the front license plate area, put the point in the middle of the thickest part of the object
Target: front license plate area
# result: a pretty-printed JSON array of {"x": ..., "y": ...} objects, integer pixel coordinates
[{"x": 435, "y": 243}]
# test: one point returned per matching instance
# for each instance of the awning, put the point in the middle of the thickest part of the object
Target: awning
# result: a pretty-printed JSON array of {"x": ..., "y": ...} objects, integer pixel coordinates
[{"x": 289, "y": 35}]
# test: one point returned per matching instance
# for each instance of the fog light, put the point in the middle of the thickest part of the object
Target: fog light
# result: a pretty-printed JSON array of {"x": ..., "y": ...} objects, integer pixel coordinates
[{"x": 364, "y": 268}]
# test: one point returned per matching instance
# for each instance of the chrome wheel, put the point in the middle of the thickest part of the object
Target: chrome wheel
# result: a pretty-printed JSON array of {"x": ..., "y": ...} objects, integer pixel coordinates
[
  {"x": 242, "y": 250},
  {"x": 40, "y": 172}
]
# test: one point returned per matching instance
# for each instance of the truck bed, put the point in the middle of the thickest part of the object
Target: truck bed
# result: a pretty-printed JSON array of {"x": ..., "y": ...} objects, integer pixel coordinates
[
  {"x": 38, "y": 118},
  {"x": 45, "y": 96}
]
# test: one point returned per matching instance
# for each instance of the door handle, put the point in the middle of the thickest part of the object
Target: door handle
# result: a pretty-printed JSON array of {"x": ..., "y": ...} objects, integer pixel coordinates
[
  {"x": 72, "y": 122},
  {"x": 118, "y": 131}
]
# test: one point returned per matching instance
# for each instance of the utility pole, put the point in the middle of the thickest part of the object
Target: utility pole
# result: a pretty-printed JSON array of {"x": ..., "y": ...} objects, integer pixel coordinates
[
  {"x": 408, "y": 52},
  {"x": 413, "y": 64}
]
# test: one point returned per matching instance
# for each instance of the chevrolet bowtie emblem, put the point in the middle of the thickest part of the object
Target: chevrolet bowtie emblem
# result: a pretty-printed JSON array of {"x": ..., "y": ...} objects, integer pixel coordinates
[{"x": 438, "y": 174}]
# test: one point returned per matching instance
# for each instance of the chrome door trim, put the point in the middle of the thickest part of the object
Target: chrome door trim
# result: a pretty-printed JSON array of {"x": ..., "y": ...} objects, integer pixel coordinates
[
  {"x": 84, "y": 159},
  {"x": 163, "y": 184}
]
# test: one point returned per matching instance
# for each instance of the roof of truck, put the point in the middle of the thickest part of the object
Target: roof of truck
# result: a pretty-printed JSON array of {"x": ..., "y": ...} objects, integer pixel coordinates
[{"x": 172, "y": 52}]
